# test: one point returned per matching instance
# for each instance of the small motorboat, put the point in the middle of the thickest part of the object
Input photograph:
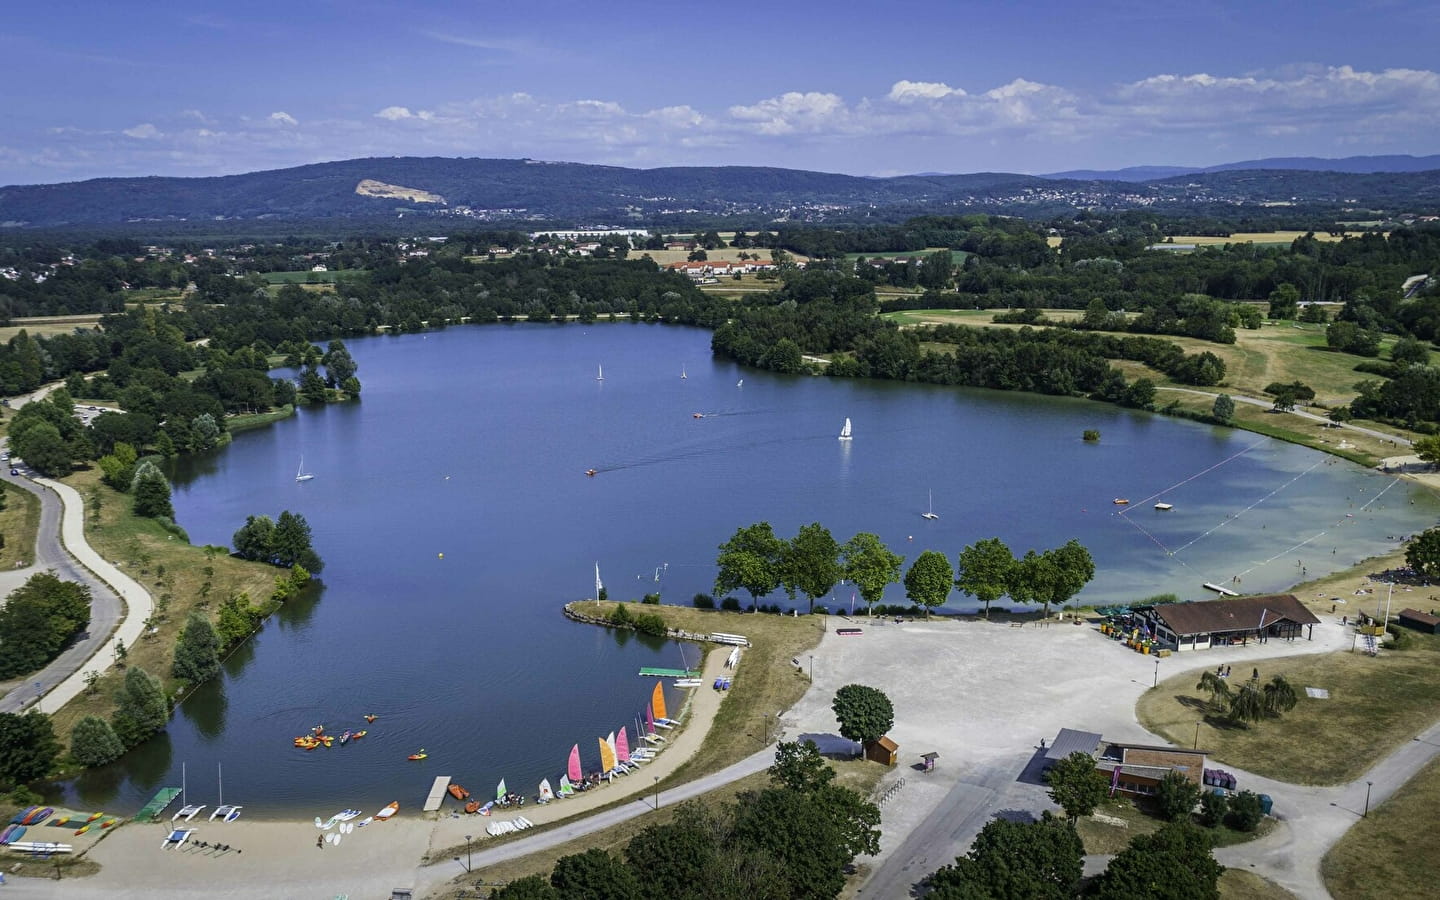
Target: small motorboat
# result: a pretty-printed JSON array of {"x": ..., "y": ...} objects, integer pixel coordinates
[
  {"x": 371, "y": 718},
  {"x": 414, "y": 757},
  {"x": 591, "y": 472},
  {"x": 1120, "y": 501},
  {"x": 458, "y": 792},
  {"x": 697, "y": 415}
]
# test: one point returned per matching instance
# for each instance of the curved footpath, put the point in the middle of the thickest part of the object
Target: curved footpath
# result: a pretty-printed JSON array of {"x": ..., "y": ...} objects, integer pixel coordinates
[
  {"x": 119, "y": 606},
  {"x": 1251, "y": 401}
]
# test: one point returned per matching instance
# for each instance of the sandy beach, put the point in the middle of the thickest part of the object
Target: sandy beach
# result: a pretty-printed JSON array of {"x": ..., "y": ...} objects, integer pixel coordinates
[{"x": 281, "y": 859}]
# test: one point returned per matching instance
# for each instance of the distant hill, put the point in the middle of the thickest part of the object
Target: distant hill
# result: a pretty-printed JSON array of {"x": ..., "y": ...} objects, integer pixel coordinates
[
  {"x": 529, "y": 191},
  {"x": 1355, "y": 165}
]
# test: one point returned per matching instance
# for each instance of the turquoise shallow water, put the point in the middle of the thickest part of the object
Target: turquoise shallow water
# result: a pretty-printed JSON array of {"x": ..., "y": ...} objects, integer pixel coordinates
[{"x": 473, "y": 443}]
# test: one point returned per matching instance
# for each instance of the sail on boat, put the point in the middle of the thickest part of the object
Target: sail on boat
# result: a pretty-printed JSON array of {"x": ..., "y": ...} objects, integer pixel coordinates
[
  {"x": 607, "y": 756},
  {"x": 223, "y": 812},
  {"x": 500, "y": 792},
  {"x": 546, "y": 793},
  {"x": 622, "y": 746},
  {"x": 599, "y": 585},
  {"x": 300, "y": 473},
  {"x": 929, "y": 513},
  {"x": 573, "y": 768},
  {"x": 845, "y": 430},
  {"x": 599, "y": 372},
  {"x": 566, "y": 788},
  {"x": 657, "y": 702},
  {"x": 683, "y": 376}
]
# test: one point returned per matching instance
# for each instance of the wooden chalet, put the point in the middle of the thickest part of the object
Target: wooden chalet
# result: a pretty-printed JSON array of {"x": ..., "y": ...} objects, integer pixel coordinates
[
  {"x": 1210, "y": 623},
  {"x": 882, "y": 751}
]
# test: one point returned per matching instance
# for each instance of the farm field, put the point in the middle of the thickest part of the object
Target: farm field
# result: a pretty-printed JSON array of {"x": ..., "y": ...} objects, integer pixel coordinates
[{"x": 729, "y": 254}]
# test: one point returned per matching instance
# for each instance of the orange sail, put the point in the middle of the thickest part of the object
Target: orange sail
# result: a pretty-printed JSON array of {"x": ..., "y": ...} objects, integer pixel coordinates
[
  {"x": 657, "y": 701},
  {"x": 607, "y": 756}
]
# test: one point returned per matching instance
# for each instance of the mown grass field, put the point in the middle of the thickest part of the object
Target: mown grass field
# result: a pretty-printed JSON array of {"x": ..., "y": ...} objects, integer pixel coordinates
[
  {"x": 308, "y": 277},
  {"x": 1238, "y": 884},
  {"x": 164, "y": 564},
  {"x": 958, "y": 257},
  {"x": 19, "y": 522},
  {"x": 1375, "y": 705},
  {"x": 1390, "y": 853}
]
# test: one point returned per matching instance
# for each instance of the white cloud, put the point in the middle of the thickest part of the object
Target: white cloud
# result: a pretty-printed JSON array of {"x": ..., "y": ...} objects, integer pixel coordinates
[
  {"x": 283, "y": 118},
  {"x": 394, "y": 113},
  {"x": 794, "y": 111},
  {"x": 911, "y": 91},
  {"x": 144, "y": 132}
]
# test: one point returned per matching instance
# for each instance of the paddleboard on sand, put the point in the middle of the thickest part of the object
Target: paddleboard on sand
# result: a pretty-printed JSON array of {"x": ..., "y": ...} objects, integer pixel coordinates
[
  {"x": 337, "y": 839},
  {"x": 317, "y": 822},
  {"x": 365, "y": 821}
]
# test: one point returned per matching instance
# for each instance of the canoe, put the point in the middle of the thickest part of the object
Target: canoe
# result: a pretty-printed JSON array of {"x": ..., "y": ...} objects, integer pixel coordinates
[
  {"x": 388, "y": 811},
  {"x": 22, "y": 814},
  {"x": 458, "y": 792},
  {"x": 358, "y": 735},
  {"x": 416, "y": 757}
]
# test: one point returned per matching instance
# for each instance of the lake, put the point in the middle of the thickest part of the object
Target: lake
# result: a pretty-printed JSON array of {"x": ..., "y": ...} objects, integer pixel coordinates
[{"x": 473, "y": 443}]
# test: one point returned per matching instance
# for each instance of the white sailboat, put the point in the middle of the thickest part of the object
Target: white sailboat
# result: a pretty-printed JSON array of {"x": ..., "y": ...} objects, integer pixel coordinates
[
  {"x": 930, "y": 513},
  {"x": 683, "y": 376},
  {"x": 740, "y": 383},
  {"x": 301, "y": 474},
  {"x": 845, "y": 430},
  {"x": 599, "y": 586},
  {"x": 599, "y": 372}
]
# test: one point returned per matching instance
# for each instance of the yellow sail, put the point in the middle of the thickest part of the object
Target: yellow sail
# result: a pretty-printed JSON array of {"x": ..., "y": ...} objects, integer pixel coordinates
[
  {"x": 607, "y": 756},
  {"x": 657, "y": 701}
]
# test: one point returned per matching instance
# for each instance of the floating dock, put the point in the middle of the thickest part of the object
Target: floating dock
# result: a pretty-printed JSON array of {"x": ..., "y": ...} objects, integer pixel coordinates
[
  {"x": 657, "y": 672},
  {"x": 437, "y": 794},
  {"x": 157, "y": 804},
  {"x": 1222, "y": 591}
]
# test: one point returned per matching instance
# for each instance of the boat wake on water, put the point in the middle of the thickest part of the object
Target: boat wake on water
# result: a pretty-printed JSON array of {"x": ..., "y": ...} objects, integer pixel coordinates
[{"x": 681, "y": 453}]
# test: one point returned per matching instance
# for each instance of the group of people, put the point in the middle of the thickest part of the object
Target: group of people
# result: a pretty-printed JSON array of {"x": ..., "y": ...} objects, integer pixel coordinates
[
  {"x": 512, "y": 799},
  {"x": 206, "y": 845},
  {"x": 1224, "y": 672}
]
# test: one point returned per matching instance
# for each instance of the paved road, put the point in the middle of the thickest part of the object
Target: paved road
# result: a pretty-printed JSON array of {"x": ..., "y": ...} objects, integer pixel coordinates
[
  {"x": 1264, "y": 404},
  {"x": 433, "y": 877},
  {"x": 106, "y": 609}
]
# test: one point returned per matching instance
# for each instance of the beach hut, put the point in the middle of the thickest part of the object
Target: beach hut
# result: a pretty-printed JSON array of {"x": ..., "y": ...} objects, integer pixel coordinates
[
  {"x": 883, "y": 751},
  {"x": 1414, "y": 618}
]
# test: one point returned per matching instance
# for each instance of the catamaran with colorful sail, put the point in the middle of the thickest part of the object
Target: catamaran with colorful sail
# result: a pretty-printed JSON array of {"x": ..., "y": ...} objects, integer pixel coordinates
[
  {"x": 607, "y": 757},
  {"x": 546, "y": 793}
]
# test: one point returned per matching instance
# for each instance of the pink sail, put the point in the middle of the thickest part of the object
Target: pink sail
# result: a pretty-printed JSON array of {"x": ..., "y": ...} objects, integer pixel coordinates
[
  {"x": 622, "y": 745},
  {"x": 573, "y": 770},
  {"x": 649, "y": 719}
]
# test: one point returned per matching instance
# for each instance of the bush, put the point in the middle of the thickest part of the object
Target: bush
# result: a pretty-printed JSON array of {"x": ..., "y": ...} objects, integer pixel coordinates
[
  {"x": 730, "y": 604},
  {"x": 651, "y": 599},
  {"x": 1091, "y": 435},
  {"x": 621, "y": 615},
  {"x": 1213, "y": 807},
  {"x": 703, "y": 601},
  {"x": 1245, "y": 813},
  {"x": 1177, "y": 796},
  {"x": 94, "y": 743},
  {"x": 1401, "y": 638},
  {"x": 649, "y": 623}
]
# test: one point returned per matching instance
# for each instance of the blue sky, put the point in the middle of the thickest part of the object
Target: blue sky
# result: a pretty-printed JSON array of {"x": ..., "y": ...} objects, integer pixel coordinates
[{"x": 203, "y": 88}]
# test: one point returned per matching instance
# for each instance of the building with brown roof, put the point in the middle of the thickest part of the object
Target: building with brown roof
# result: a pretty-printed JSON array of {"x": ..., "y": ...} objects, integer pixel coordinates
[
  {"x": 1132, "y": 768},
  {"x": 1210, "y": 623}
]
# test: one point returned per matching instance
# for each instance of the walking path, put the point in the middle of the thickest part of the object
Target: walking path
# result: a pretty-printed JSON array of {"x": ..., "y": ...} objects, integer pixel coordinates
[
  {"x": 1251, "y": 401},
  {"x": 118, "y": 604}
]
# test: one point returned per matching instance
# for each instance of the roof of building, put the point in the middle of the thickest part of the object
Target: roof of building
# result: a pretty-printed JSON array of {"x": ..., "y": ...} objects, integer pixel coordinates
[
  {"x": 1238, "y": 614},
  {"x": 1070, "y": 741},
  {"x": 1416, "y": 615},
  {"x": 887, "y": 743}
]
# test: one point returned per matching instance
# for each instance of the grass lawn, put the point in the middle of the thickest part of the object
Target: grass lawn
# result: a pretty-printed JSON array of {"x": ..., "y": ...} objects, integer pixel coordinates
[
  {"x": 48, "y": 326},
  {"x": 19, "y": 521},
  {"x": 1131, "y": 817},
  {"x": 1238, "y": 884},
  {"x": 769, "y": 682},
  {"x": 308, "y": 277},
  {"x": 1257, "y": 237},
  {"x": 141, "y": 547},
  {"x": 1375, "y": 705},
  {"x": 241, "y": 423},
  {"x": 1391, "y": 853}
]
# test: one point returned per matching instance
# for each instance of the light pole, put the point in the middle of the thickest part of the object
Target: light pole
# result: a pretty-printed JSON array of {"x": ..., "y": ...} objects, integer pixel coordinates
[
  {"x": 467, "y": 852},
  {"x": 812, "y": 667},
  {"x": 657, "y": 791},
  {"x": 1197, "y": 736},
  {"x": 1157, "y": 673},
  {"x": 1366, "y": 814}
]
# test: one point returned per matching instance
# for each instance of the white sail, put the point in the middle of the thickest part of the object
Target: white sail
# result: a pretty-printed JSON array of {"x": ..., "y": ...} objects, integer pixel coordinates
[
  {"x": 930, "y": 510},
  {"x": 682, "y": 371},
  {"x": 300, "y": 473},
  {"x": 845, "y": 430},
  {"x": 599, "y": 585},
  {"x": 599, "y": 373}
]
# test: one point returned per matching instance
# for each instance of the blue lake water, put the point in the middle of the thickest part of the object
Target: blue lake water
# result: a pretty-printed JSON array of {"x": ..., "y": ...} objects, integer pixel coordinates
[{"x": 473, "y": 443}]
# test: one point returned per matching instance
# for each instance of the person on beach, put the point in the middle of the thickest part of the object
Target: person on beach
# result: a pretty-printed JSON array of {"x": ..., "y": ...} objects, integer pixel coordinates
[{"x": 320, "y": 842}]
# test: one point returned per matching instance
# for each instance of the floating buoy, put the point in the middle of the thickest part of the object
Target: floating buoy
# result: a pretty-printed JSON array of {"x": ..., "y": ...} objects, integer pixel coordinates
[{"x": 441, "y": 555}]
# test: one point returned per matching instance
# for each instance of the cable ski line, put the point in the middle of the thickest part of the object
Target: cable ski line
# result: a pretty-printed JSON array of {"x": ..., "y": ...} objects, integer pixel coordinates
[
  {"x": 1195, "y": 476},
  {"x": 1242, "y": 512},
  {"x": 1321, "y": 534}
]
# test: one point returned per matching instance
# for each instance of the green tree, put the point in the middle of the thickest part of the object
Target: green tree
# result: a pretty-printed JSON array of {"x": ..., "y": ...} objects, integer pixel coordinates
[
  {"x": 1246, "y": 811},
  {"x": 94, "y": 743},
  {"x": 38, "y": 619},
  {"x": 984, "y": 571},
  {"x": 197, "y": 651},
  {"x": 871, "y": 566},
  {"x": 811, "y": 563},
  {"x": 292, "y": 543},
  {"x": 1176, "y": 796},
  {"x": 1173, "y": 863},
  {"x": 204, "y": 432},
  {"x": 1218, "y": 688},
  {"x": 800, "y": 767},
  {"x": 141, "y": 708},
  {"x": 151, "y": 491},
  {"x": 312, "y": 386},
  {"x": 1213, "y": 807},
  {"x": 43, "y": 449},
  {"x": 865, "y": 714},
  {"x": 339, "y": 365},
  {"x": 1423, "y": 552},
  {"x": 1409, "y": 351},
  {"x": 1284, "y": 301},
  {"x": 937, "y": 270},
  {"x": 1063, "y": 573},
  {"x": 118, "y": 466},
  {"x": 752, "y": 560},
  {"x": 255, "y": 539},
  {"x": 531, "y": 887},
  {"x": 27, "y": 747},
  {"x": 929, "y": 580},
  {"x": 675, "y": 858},
  {"x": 1428, "y": 448},
  {"x": 1076, "y": 785},
  {"x": 236, "y": 618},
  {"x": 594, "y": 875},
  {"x": 1021, "y": 860},
  {"x": 1224, "y": 408},
  {"x": 800, "y": 833},
  {"x": 1248, "y": 704},
  {"x": 1280, "y": 696}
]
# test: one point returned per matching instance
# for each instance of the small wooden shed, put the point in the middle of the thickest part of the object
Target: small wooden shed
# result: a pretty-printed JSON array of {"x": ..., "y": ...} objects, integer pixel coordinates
[
  {"x": 883, "y": 751},
  {"x": 1414, "y": 618}
]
